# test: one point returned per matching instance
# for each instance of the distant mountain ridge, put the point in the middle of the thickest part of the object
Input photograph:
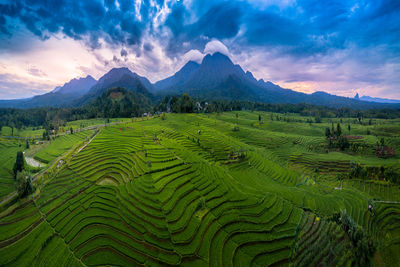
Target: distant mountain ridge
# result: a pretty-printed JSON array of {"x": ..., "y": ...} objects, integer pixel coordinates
[
  {"x": 217, "y": 77},
  {"x": 377, "y": 99},
  {"x": 61, "y": 96},
  {"x": 76, "y": 86}
]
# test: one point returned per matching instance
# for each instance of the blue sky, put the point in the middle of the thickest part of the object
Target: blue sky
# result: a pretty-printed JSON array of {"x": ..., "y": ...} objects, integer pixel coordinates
[{"x": 341, "y": 47}]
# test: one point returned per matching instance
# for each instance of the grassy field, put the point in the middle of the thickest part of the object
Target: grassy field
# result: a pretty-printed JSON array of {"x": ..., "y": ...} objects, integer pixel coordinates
[
  {"x": 8, "y": 154},
  {"x": 26, "y": 132},
  {"x": 44, "y": 153},
  {"x": 159, "y": 192},
  {"x": 60, "y": 145},
  {"x": 87, "y": 123},
  {"x": 37, "y": 132}
]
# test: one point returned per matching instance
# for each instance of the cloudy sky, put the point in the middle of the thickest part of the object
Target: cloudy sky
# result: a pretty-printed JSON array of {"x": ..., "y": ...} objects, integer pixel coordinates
[{"x": 338, "y": 46}]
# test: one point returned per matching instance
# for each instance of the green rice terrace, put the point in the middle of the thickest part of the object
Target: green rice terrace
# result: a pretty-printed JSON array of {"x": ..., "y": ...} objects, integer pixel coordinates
[{"x": 227, "y": 189}]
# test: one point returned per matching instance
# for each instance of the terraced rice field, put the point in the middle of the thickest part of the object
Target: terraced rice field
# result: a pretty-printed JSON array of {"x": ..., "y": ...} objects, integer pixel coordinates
[
  {"x": 158, "y": 193},
  {"x": 60, "y": 145}
]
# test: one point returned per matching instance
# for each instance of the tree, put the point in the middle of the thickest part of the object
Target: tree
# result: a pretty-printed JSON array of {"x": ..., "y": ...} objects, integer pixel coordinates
[
  {"x": 46, "y": 135},
  {"x": 349, "y": 128},
  {"x": 327, "y": 132},
  {"x": 364, "y": 247},
  {"x": 19, "y": 163},
  {"x": 23, "y": 184},
  {"x": 71, "y": 130},
  {"x": 343, "y": 143},
  {"x": 164, "y": 104},
  {"x": 174, "y": 104},
  {"x": 27, "y": 144},
  {"x": 259, "y": 118},
  {"x": 338, "y": 130},
  {"x": 392, "y": 176},
  {"x": 187, "y": 104}
]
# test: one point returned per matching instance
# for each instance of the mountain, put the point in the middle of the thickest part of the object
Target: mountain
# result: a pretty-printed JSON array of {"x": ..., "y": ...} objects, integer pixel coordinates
[
  {"x": 61, "y": 96},
  {"x": 77, "y": 87},
  {"x": 217, "y": 77},
  {"x": 179, "y": 78},
  {"x": 117, "y": 77},
  {"x": 213, "y": 74},
  {"x": 214, "y": 69},
  {"x": 377, "y": 100}
]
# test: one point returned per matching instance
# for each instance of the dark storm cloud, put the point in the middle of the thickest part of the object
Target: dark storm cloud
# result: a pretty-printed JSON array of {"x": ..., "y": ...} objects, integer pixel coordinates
[
  {"x": 148, "y": 47},
  {"x": 220, "y": 21},
  {"x": 363, "y": 33},
  {"x": 302, "y": 27},
  {"x": 176, "y": 18},
  {"x": 214, "y": 19},
  {"x": 266, "y": 28},
  {"x": 77, "y": 19}
]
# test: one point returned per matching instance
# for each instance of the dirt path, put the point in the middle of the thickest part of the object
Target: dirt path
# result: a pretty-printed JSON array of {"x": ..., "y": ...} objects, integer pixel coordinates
[
  {"x": 34, "y": 178},
  {"x": 31, "y": 161},
  {"x": 84, "y": 146}
]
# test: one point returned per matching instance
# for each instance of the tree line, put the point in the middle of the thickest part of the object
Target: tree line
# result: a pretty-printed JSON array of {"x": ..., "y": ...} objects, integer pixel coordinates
[{"x": 119, "y": 102}]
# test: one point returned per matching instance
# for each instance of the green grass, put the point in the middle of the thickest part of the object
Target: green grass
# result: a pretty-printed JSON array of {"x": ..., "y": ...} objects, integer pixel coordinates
[
  {"x": 8, "y": 154},
  {"x": 60, "y": 145},
  {"x": 29, "y": 132},
  {"x": 87, "y": 123},
  {"x": 155, "y": 192}
]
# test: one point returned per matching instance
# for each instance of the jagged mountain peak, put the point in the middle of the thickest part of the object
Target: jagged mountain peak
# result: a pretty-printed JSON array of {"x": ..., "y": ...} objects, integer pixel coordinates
[
  {"x": 76, "y": 86},
  {"x": 179, "y": 78},
  {"x": 216, "y": 57}
]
